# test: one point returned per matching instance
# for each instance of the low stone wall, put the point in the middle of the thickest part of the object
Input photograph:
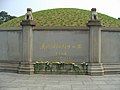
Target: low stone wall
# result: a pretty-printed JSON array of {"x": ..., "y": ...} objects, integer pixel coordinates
[
  {"x": 11, "y": 44},
  {"x": 110, "y": 45},
  {"x": 67, "y": 44}
]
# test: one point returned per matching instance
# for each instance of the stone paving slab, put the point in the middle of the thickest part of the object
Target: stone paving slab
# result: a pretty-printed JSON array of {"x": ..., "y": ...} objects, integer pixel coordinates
[{"x": 14, "y": 81}]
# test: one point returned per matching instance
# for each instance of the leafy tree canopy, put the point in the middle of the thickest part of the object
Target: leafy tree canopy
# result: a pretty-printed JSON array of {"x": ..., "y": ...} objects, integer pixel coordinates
[{"x": 4, "y": 17}]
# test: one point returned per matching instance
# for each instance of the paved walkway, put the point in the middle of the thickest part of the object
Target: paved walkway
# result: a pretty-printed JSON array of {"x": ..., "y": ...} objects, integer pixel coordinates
[{"x": 13, "y": 81}]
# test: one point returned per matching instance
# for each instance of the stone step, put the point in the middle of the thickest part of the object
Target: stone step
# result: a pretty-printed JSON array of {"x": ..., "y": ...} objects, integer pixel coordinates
[
  {"x": 111, "y": 68},
  {"x": 96, "y": 69},
  {"x": 26, "y": 68},
  {"x": 7, "y": 63},
  {"x": 96, "y": 73},
  {"x": 8, "y": 67},
  {"x": 111, "y": 65},
  {"x": 106, "y": 72},
  {"x": 107, "y": 64},
  {"x": 62, "y": 73}
]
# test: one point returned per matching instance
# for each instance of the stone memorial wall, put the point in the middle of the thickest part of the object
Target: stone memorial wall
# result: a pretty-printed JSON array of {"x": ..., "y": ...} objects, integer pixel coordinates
[{"x": 65, "y": 44}]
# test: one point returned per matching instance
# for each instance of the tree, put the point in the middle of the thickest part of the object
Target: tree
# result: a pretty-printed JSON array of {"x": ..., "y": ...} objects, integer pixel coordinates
[
  {"x": 4, "y": 17},
  {"x": 118, "y": 18}
]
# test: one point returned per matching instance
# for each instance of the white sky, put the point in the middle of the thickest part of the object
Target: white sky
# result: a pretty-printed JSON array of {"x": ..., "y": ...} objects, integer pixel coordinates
[{"x": 18, "y": 7}]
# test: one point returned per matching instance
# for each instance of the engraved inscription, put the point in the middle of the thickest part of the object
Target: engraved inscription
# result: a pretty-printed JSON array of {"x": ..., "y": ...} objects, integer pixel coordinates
[{"x": 60, "y": 46}]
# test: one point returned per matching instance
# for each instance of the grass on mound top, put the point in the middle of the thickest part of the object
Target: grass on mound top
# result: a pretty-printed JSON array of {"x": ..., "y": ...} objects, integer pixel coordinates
[{"x": 64, "y": 17}]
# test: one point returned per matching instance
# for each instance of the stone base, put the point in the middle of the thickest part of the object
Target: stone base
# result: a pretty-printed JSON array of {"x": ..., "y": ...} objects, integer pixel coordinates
[
  {"x": 26, "y": 68},
  {"x": 9, "y": 66},
  {"x": 111, "y": 68},
  {"x": 94, "y": 23},
  {"x": 96, "y": 69},
  {"x": 27, "y": 23}
]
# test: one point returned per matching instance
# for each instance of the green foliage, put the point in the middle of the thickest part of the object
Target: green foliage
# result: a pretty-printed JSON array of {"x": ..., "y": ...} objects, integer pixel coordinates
[
  {"x": 4, "y": 17},
  {"x": 64, "y": 17},
  {"x": 61, "y": 67}
]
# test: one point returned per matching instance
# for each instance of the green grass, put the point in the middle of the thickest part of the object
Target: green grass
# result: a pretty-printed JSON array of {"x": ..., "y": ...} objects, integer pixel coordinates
[{"x": 64, "y": 17}]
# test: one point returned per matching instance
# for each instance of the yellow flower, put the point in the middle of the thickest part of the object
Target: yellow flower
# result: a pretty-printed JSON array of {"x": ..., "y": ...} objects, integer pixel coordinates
[
  {"x": 73, "y": 63},
  {"x": 37, "y": 62}
]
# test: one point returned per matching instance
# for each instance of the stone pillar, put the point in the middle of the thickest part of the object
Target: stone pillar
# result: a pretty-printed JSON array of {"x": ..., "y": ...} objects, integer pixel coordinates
[
  {"x": 95, "y": 66},
  {"x": 26, "y": 66}
]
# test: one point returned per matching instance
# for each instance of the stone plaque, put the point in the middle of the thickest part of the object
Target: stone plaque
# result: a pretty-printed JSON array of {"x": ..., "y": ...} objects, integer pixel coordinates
[{"x": 60, "y": 46}]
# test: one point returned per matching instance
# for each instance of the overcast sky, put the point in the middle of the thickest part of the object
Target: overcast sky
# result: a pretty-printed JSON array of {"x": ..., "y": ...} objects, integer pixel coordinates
[{"x": 18, "y": 7}]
